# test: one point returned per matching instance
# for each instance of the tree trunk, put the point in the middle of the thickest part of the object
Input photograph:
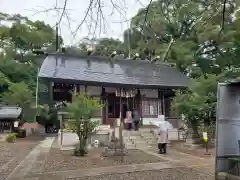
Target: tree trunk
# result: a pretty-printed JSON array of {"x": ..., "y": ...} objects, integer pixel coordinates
[
  {"x": 80, "y": 150},
  {"x": 82, "y": 147}
]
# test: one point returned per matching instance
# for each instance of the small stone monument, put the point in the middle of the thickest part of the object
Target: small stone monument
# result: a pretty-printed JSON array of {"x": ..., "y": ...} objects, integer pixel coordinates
[
  {"x": 114, "y": 148},
  {"x": 192, "y": 140}
]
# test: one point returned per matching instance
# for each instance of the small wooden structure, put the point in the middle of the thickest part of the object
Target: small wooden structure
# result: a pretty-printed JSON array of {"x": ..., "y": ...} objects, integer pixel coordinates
[
  {"x": 33, "y": 128},
  {"x": 10, "y": 118}
]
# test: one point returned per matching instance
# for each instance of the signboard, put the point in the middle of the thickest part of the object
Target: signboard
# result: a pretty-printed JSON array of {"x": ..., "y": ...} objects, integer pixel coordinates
[
  {"x": 16, "y": 124},
  {"x": 205, "y": 136}
]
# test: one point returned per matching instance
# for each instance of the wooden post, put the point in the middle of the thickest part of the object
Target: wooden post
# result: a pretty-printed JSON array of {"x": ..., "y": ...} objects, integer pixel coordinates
[
  {"x": 161, "y": 96},
  {"x": 50, "y": 91},
  {"x": 139, "y": 106},
  {"x": 61, "y": 126},
  {"x": 121, "y": 128},
  {"x": 103, "y": 111}
]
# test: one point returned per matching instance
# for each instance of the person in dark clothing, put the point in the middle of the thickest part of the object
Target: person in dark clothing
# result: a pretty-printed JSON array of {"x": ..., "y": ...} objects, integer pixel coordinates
[{"x": 136, "y": 119}]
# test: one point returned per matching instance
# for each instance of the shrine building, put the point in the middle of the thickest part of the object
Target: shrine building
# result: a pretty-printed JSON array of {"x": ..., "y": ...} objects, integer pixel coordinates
[{"x": 146, "y": 86}]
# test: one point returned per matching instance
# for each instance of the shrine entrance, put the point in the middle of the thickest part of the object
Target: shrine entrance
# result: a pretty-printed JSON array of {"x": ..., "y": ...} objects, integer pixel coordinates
[{"x": 113, "y": 105}]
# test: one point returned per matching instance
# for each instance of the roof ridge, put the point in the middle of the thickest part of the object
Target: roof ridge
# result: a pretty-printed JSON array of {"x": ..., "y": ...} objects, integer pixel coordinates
[{"x": 98, "y": 57}]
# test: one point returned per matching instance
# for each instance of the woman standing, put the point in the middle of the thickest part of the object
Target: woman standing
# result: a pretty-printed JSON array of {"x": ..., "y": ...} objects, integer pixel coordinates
[
  {"x": 128, "y": 120},
  {"x": 136, "y": 119}
]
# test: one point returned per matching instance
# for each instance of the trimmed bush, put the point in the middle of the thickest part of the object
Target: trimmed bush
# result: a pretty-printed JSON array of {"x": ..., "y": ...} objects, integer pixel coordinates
[{"x": 11, "y": 137}]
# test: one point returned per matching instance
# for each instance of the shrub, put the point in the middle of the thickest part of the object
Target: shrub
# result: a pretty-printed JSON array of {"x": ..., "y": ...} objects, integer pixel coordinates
[{"x": 11, "y": 137}]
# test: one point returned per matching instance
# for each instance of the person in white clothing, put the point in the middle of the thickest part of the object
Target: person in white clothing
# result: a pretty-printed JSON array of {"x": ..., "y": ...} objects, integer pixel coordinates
[{"x": 162, "y": 140}]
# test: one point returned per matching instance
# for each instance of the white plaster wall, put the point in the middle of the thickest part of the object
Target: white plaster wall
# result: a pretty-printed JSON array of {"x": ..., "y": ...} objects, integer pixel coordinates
[
  {"x": 148, "y": 121},
  {"x": 96, "y": 90},
  {"x": 110, "y": 90},
  {"x": 150, "y": 93},
  {"x": 70, "y": 139},
  {"x": 92, "y": 90}
]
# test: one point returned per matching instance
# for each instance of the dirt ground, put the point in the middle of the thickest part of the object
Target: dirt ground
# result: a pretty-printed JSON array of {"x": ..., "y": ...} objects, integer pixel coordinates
[
  {"x": 64, "y": 160},
  {"x": 199, "y": 151}
]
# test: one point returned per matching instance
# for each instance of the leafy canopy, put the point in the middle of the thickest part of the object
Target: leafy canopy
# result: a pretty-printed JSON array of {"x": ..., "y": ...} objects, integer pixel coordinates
[{"x": 81, "y": 109}]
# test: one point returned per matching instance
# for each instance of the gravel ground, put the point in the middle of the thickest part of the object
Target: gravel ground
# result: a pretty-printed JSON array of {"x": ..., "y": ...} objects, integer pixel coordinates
[
  {"x": 11, "y": 154},
  {"x": 64, "y": 160},
  {"x": 164, "y": 174},
  {"x": 200, "y": 151}
]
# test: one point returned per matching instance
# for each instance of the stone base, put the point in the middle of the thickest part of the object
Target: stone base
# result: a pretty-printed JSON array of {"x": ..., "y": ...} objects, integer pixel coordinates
[
  {"x": 192, "y": 146},
  {"x": 226, "y": 176},
  {"x": 212, "y": 143},
  {"x": 192, "y": 143},
  {"x": 113, "y": 152}
]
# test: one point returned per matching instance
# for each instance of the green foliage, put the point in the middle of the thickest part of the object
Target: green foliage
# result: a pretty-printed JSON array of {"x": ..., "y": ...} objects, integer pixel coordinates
[
  {"x": 11, "y": 138},
  {"x": 81, "y": 110},
  {"x": 102, "y": 46},
  {"x": 198, "y": 103},
  {"x": 18, "y": 94},
  {"x": 17, "y": 63}
]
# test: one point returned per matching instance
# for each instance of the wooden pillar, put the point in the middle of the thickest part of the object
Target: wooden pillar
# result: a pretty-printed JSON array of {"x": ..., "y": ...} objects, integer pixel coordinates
[
  {"x": 103, "y": 101},
  {"x": 50, "y": 91},
  {"x": 85, "y": 86},
  {"x": 78, "y": 88},
  {"x": 139, "y": 104},
  {"x": 60, "y": 118},
  {"x": 161, "y": 96}
]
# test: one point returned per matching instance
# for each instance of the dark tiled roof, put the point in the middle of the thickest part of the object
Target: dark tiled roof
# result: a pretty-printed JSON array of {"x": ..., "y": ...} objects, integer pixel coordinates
[
  {"x": 122, "y": 71},
  {"x": 10, "y": 112}
]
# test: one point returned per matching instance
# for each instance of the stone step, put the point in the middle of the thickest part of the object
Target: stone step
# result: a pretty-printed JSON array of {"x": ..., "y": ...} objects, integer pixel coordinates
[
  {"x": 135, "y": 137},
  {"x": 152, "y": 143},
  {"x": 144, "y": 129},
  {"x": 127, "y": 141},
  {"x": 129, "y": 144},
  {"x": 144, "y": 146},
  {"x": 146, "y": 132},
  {"x": 131, "y": 147},
  {"x": 149, "y": 137},
  {"x": 139, "y": 142},
  {"x": 151, "y": 140},
  {"x": 131, "y": 133}
]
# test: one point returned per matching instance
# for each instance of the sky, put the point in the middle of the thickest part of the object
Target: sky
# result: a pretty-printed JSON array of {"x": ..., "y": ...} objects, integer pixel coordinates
[{"x": 114, "y": 23}]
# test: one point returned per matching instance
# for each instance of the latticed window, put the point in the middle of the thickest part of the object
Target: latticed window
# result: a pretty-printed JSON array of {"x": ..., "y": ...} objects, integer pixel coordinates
[
  {"x": 150, "y": 107},
  {"x": 169, "y": 110}
]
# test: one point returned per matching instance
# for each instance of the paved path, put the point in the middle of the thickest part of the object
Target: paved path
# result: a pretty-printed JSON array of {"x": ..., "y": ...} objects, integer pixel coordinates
[
  {"x": 29, "y": 164},
  {"x": 205, "y": 165}
]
